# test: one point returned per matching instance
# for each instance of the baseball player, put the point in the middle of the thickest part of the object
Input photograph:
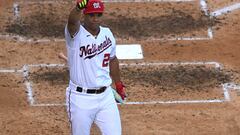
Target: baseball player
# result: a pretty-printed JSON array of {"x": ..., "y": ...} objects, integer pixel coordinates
[{"x": 92, "y": 61}]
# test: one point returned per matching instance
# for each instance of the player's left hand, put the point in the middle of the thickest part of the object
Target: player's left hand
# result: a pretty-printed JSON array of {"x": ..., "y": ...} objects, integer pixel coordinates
[{"x": 121, "y": 89}]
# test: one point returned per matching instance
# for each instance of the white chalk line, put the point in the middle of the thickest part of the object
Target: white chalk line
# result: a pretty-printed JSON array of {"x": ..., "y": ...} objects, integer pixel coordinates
[
  {"x": 175, "y": 102},
  {"x": 225, "y": 10},
  {"x": 24, "y": 39},
  {"x": 178, "y": 38},
  {"x": 16, "y": 10},
  {"x": 232, "y": 85},
  {"x": 25, "y": 71},
  {"x": 226, "y": 86},
  {"x": 110, "y": 1},
  {"x": 30, "y": 40},
  {"x": 148, "y": 1},
  {"x": 210, "y": 32},
  {"x": 204, "y": 8},
  {"x": 11, "y": 71},
  {"x": 216, "y": 64},
  {"x": 47, "y": 105},
  {"x": 106, "y": 1},
  {"x": 28, "y": 85},
  {"x": 216, "y": 13},
  {"x": 226, "y": 93},
  {"x": 151, "y": 102},
  {"x": 42, "y": 2},
  {"x": 46, "y": 65}
]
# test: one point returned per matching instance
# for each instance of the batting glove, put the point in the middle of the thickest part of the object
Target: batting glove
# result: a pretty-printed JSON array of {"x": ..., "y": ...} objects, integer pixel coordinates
[
  {"x": 81, "y": 4},
  {"x": 120, "y": 89}
]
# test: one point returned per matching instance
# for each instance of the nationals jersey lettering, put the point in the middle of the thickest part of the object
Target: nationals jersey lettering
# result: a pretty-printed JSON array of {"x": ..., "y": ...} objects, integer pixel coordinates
[
  {"x": 89, "y": 57},
  {"x": 90, "y": 51}
]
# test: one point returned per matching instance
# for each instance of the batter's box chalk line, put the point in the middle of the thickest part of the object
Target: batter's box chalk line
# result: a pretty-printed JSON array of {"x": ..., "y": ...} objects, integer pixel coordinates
[
  {"x": 226, "y": 10},
  {"x": 203, "y": 6},
  {"x": 232, "y": 85},
  {"x": 32, "y": 102},
  {"x": 106, "y": 1},
  {"x": 24, "y": 39}
]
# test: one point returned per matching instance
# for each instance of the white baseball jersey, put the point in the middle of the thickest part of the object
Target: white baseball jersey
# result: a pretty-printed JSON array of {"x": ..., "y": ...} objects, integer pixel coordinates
[{"x": 89, "y": 56}]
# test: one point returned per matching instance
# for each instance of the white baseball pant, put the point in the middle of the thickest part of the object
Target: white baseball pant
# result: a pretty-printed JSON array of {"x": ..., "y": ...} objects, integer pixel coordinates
[{"x": 84, "y": 109}]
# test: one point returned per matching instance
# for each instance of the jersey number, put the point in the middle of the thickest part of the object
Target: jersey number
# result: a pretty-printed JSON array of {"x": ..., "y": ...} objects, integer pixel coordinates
[{"x": 106, "y": 60}]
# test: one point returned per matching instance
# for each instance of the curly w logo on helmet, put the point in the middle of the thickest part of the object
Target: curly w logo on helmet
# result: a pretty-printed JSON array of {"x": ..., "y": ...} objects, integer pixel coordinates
[{"x": 96, "y": 5}]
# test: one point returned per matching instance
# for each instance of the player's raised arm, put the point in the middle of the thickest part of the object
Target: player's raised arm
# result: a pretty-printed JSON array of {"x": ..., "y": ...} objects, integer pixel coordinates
[{"x": 74, "y": 17}]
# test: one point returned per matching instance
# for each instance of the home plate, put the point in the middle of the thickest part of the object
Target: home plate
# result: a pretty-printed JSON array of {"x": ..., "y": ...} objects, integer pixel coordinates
[{"x": 129, "y": 51}]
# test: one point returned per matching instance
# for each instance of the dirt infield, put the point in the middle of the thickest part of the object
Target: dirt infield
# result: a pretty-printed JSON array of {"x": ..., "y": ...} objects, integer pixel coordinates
[{"x": 131, "y": 23}]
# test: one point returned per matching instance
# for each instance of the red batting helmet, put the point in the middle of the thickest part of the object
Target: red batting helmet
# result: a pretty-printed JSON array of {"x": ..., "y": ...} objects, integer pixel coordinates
[{"x": 94, "y": 6}]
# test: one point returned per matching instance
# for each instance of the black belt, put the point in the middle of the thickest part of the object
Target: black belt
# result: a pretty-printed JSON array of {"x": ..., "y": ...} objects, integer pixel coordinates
[{"x": 92, "y": 91}]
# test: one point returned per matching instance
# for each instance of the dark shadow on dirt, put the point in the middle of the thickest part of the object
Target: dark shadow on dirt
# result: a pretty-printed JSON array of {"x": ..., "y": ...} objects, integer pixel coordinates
[
  {"x": 38, "y": 25},
  {"x": 166, "y": 78},
  {"x": 43, "y": 25},
  {"x": 176, "y": 23},
  {"x": 177, "y": 77},
  {"x": 55, "y": 76}
]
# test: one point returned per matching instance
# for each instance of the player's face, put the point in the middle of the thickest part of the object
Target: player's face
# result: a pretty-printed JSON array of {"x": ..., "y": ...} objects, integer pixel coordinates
[{"x": 93, "y": 20}]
